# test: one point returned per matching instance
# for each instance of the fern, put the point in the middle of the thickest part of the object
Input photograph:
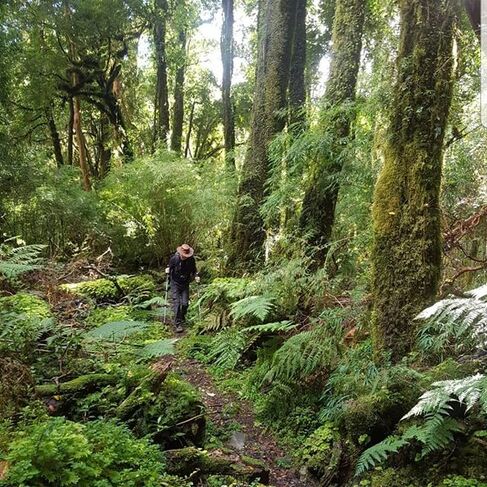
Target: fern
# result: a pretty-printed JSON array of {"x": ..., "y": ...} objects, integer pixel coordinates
[
  {"x": 302, "y": 354},
  {"x": 159, "y": 348},
  {"x": 149, "y": 303},
  {"x": 272, "y": 327},
  {"x": 455, "y": 325},
  {"x": 378, "y": 453},
  {"x": 17, "y": 261},
  {"x": 117, "y": 330},
  {"x": 228, "y": 346},
  {"x": 438, "y": 429},
  {"x": 257, "y": 306}
]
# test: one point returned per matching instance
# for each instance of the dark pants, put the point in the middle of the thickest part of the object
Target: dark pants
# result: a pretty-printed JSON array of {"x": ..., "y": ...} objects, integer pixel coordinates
[{"x": 180, "y": 301}]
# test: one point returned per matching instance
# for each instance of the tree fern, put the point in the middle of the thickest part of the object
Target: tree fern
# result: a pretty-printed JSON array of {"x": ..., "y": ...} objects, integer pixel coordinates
[{"x": 117, "y": 330}]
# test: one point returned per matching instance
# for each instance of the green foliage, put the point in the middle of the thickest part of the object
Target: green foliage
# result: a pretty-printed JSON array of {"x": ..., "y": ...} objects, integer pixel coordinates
[
  {"x": 24, "y": 318},
  {"x": 452, "y": 327},
  {"x": 158, "y": 348},
  {"x": 321, "y": 451},
  {"x": 437, "y": 431},
  {"x": 308, "y": 351},
  {"x": 15, "y": 261},
  {"x": 103, "y": 290},
  {"x": 254, "y": 306},
  {"x": 60, "y": 452},
  {"x": 117, "y": 330}
]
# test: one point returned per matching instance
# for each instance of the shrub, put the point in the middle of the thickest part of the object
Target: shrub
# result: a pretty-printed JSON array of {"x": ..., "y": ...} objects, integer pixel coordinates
[
  {"x": 62, "y": 453},
  {"x": 23, "y": 320}
]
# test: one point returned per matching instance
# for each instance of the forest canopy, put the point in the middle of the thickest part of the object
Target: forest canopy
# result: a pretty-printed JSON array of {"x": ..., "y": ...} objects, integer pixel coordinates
[{"x": 326, "y": 161}]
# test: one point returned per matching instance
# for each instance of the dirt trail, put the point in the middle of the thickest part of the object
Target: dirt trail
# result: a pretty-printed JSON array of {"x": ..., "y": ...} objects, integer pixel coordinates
[{"x": 257, "y": 442}]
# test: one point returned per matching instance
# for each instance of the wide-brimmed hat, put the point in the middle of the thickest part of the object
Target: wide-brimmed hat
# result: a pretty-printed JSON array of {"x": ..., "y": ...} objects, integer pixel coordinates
[{"x": 185, "y": 250}]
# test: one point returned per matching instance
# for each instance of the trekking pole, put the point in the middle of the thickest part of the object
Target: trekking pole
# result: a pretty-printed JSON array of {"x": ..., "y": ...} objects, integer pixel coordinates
[{"x": 165, "y": 303}]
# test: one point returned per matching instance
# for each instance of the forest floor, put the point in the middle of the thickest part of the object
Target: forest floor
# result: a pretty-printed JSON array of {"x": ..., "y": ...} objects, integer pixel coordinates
[
  {"x": 227, "y": 414},
  {"x": 249, "y": 439}
]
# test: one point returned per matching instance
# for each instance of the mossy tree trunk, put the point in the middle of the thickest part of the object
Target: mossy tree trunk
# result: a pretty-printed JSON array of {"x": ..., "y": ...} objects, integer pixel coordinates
[
  {"x": 276, "y": 23},
  {"x": 161, "y": 107},
  {"x": 297, "y": 87},
  {"x": 227, "y": 61},
  {"x": 406, "y": 214},
  {"x": 178, "y": 107},
  {"x": 318, "y": 212}
]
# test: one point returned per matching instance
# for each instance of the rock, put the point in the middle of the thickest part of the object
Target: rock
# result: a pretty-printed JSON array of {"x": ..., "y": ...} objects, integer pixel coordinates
[{"x": 237, "y": 440}]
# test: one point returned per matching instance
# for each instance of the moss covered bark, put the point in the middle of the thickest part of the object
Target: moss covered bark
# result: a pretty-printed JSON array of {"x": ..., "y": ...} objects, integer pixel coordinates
[
  {"x": 318, "y": 212},
  {"x": 276, "y": 23},
  {"x": 406, "y": 215}
]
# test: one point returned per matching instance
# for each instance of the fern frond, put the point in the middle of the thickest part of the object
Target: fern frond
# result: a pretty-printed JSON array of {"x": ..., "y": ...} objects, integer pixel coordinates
[
  {"x": 228, "y": 346},
  {"x": 257, "y": 306},
  {"x": 17, "y": 261},
  {"x": 159, "y": 348},
  {"x": 378, "y": 453},
  {"x": 272, "y": 327},
  {"x": 117, "y": 330}
]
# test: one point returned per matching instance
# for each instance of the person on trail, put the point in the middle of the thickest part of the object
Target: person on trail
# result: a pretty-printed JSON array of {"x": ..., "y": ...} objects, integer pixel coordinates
[{"x": 181, "y": 271}]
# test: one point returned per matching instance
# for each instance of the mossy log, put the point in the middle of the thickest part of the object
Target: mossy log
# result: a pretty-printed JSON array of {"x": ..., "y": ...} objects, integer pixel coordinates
[
  {"x": 186, "y": 461},
  {"x": 82, "y": 384}
]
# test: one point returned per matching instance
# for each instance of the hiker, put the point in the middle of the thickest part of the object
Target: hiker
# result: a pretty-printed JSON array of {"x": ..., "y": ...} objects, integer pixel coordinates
[{"x": 181, "y": 271}]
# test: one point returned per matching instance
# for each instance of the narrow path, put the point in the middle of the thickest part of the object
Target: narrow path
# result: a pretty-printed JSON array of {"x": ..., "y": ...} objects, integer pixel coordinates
[{"x": 257, "y": 443}]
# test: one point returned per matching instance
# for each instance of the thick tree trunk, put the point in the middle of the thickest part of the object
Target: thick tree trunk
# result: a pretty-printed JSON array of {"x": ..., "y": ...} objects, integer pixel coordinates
[
  {"x": 318, "y": 212},
  {"x": 406, "y": 214},
  {"x": 273, "y": 63},
  {"x": 56, "y": 142},
  {"x": 178, "y": 108},
  {"x": 226, "y": 47},
  {"x": 297, "y": 87},
  {"x": 161, "y": 118}
]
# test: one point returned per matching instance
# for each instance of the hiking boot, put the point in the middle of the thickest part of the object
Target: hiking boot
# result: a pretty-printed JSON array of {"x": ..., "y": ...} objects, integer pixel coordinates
[{"x": 179, "y": 329}]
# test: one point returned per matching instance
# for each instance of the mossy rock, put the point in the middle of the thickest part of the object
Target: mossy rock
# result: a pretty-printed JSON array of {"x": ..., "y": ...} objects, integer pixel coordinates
[
  {"x": 373, "y": 415},
  {"x": 187, "y": 461},
  {"x": 33, "y": 307},
  {"x": 112, "y": 290},
  {"x": 391, "y": 477},
  {"x": 321, "y": 453}
]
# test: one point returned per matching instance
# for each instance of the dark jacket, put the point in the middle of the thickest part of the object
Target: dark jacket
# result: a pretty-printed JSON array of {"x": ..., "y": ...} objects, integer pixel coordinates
[{"x": 181, "y": 271}]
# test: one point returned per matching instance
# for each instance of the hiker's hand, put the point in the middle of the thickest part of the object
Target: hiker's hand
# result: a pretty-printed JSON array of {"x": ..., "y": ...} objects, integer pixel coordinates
[
  {"x": 167, "y": 270},
  {"x": 197, "y": 279}
]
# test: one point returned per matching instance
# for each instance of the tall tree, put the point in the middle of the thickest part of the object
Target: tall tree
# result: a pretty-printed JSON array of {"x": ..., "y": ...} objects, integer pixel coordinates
[
  {"x": 406, "y": 214},
  {"x": 318, "y": 212},
  {"x": 276, "y": 23},
  {"x": 178, "y": 107},
  {"x": 161, "y": 106},
  {"x": 297, "y": 86},
  {"x": 227, "y": 48}
]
